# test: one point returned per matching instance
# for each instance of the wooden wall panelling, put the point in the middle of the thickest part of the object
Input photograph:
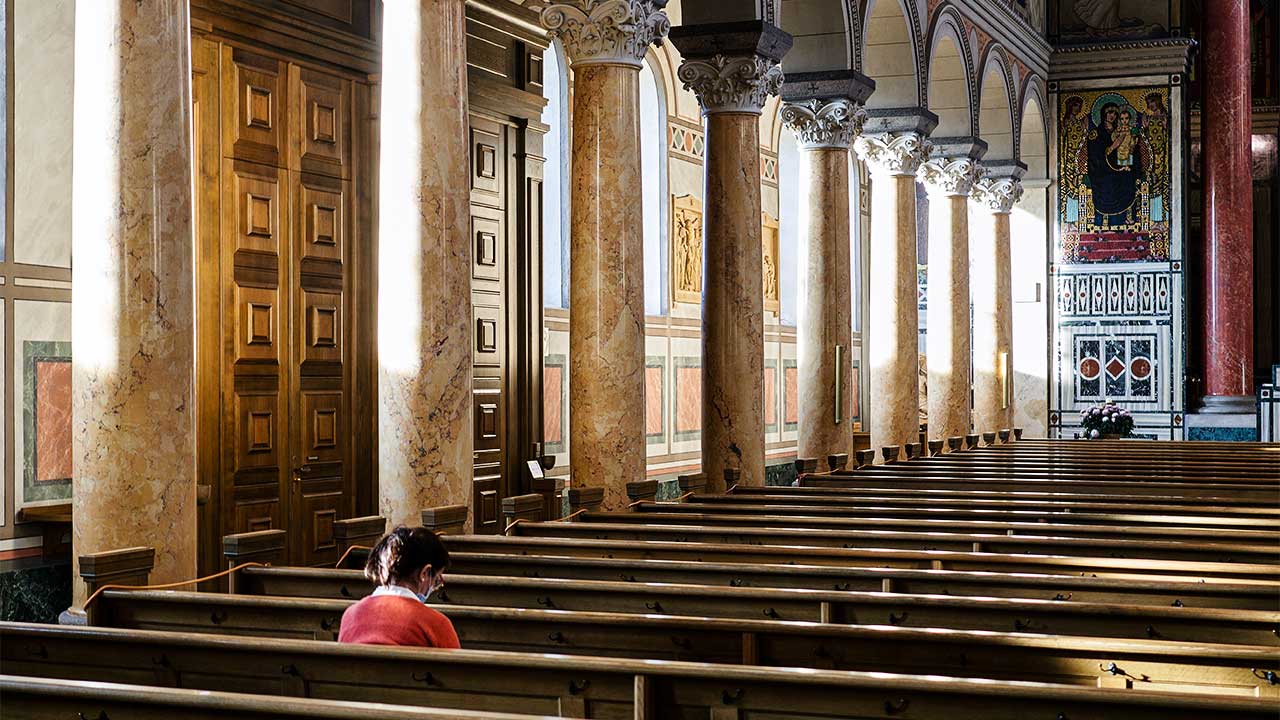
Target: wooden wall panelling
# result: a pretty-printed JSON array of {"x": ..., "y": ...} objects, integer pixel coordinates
[
  {"x": 524, "y": 309},
  {"x": 206, "y": 100},
  {"x": 363, "y": 297},
  {"x": 253, "y": 106}
]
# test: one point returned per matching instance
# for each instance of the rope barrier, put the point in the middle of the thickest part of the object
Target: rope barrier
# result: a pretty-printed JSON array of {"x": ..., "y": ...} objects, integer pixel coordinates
[
  {"x": 348, "y": 552},
  {"x": 572, "y": 515},
  {"x": 166, "y": 586},
  {"x": 513, "y": 523}
]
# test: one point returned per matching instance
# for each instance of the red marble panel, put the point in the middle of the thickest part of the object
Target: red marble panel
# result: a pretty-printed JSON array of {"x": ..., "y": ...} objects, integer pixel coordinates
[
  {"x": 653, "y": 400},
  {"x": 791, "y": 395},
  {"x": 552, "y": 403},
  {"x": 770, "y": 396},
  {"x": 53, "y": 420},
  {"x": 688, "y": 399}
]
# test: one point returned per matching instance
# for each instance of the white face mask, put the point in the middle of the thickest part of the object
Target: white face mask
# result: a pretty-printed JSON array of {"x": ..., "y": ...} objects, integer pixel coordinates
[{"x": 435, "y": 585}]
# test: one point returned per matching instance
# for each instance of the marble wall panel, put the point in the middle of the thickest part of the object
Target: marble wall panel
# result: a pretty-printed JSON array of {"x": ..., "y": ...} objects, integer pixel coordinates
[
  {"x": 655, "y": 391},
  {"x": 42, "y": 406}
]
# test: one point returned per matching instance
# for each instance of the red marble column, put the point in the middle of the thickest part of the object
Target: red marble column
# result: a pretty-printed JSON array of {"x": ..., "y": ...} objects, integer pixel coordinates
[{"x": 1228, "y": 208}]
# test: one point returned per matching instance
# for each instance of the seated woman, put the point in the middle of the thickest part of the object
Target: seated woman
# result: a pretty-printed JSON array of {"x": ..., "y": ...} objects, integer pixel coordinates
[{"x": 407, "y": 565}]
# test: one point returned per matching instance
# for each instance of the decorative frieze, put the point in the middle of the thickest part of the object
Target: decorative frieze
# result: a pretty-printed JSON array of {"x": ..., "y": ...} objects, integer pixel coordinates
[
  {"x": 832, "y": 123},
  {"x": 606, "y": 32},
  {"x": 894, "y": 153},
  {"x": 951, "y": 176},
  {"x": 998, "y": 194},
  {"x": 740, "y": 84}
]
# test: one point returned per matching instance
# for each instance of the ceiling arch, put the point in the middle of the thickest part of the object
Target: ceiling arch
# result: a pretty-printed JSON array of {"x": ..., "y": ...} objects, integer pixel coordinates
[
  {"x": 1033, "y": 131},
  {"x": 995, "y": 107},
  {"x": 891, "y": 54},
  {"x": 821, "y": 32},
  {"x": 950, "y": 77}
]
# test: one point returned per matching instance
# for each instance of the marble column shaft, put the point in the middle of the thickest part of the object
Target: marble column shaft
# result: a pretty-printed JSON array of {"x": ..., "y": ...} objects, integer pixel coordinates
[
  {"x": 606, "y": 321},
  {"x": 606, "y": 243},
  {"x": 1228, "y": 205},
  {"x": 948, "y": 351},
  {"x": 425, "y": 416},
  {"x": 133, "y": 322},
  {"x": 892, "y": 337},
  {"x": 732, "y": 89},
  {"x": 825, "y": 129},
  {"x": 989, "y": 254}
]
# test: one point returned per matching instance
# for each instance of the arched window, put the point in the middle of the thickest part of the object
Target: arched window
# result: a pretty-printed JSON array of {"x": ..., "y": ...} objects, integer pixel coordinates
[
  {"x": 790, "y": 233},
  {"x": 555, "y": 208},
  {"x": 653, "y": 183}
]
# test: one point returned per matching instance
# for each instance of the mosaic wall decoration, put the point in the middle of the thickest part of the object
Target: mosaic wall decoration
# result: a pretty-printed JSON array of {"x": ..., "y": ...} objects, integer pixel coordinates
[
  {"x": 686, "y": 141},
  {"x": 1116, "y": 261},
  {"x": 46, "y": 417},
  {"x": 1114, "y": 171}
]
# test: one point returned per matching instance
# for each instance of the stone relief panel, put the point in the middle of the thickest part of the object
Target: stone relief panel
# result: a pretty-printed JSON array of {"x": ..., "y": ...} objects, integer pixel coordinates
[
  {"x": 686, "y": 249},
  {"x": 769, "y": 258}
]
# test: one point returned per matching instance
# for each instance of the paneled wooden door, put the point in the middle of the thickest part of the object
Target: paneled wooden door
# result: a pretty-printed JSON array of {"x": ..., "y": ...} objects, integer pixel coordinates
[{"x": 276, "y": 228}]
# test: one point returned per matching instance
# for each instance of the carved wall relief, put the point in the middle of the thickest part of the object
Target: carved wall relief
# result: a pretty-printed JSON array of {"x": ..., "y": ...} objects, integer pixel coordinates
[
  {"x": 769, "y": 239},
  {"x": 686, "y": 249}
]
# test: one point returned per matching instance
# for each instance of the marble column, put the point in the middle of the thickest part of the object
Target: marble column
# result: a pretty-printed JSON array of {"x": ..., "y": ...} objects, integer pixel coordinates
[
  {"x": 825, "y": 127},
  {"x": 892, "y": 326},
  {"x": 606, "y": 240},
  {"x": 733, "y": 69},
  {"x": 947, "y": 348},
  {"x": 424, "y": 263},
  {"x": 132, "y": 313},
  {"x": 993, "y": 306},
  {"x": 1228, "y": 210}
]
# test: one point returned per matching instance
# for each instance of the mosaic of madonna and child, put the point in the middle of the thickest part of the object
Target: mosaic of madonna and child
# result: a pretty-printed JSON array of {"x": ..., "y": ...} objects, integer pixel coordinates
[{"x": 1114, "y": 170}]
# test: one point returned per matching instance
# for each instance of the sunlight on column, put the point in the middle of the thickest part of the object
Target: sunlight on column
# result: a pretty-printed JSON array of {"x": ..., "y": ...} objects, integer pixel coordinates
[
  {"x": 399, "y": 213},
  {"x": 96, "y": 226}
]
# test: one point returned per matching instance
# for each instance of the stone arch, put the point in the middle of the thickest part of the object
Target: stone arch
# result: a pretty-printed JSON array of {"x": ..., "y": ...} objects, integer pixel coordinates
[
  {"x": 892, "y": 54},
  {"x": 996, "y": 121},
  {"x": 820, "y": 35},
  {"x": 1033, "y": 130},
  {"x": 950, "y": 79}
]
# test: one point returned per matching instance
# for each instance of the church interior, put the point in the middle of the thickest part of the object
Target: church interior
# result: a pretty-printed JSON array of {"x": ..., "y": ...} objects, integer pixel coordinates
[{"x": 752, "y": 359}]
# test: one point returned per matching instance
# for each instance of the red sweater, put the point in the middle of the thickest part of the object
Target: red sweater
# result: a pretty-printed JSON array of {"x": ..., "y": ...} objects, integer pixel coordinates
[{"x": 395, "y": 620}]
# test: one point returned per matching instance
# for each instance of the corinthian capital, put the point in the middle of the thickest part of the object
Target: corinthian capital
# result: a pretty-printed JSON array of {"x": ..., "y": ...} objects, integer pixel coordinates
[
  {"x": 600, "y": 32},
  {"x": 732, "y": 84},
  {"x": 830, "y": 123},
  {"x": 951, "y": 176},
  {"x": 998, "y": 194},
  {"x": 894, "y": 153}
]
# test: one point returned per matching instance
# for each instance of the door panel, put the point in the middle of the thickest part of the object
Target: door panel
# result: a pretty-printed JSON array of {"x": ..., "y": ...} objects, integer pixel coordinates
[
  {"x": 253, "y": 104},
  {"x": 322, "y": 123}
]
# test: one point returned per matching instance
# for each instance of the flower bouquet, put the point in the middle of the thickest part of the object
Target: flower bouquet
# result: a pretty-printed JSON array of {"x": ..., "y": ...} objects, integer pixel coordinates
[{"x": 1106, "y": 420}]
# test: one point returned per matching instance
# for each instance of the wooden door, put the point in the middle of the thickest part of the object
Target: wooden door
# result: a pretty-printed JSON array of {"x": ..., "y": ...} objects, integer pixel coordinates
[
  {"x": 277, "y": 348},
  {"x": 488, "y": 239}
]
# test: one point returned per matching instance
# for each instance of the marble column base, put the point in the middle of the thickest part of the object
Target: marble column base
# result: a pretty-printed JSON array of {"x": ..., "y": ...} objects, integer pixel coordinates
[{"x": 1246, "y": 404}]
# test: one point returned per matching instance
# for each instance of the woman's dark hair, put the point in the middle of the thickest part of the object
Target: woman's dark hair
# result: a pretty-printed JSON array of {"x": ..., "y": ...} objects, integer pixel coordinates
[{"x": 402, "y": 553}]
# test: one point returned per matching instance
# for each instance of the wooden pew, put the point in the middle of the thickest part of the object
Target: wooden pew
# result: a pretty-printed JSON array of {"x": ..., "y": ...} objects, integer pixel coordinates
[
  {"x": 1251, "y": 526},
  {"x": 960, "y": 493},
  {"x": 899, "y": 607},
  {"x": 569, "y": 686},
  {"x": 903, "y": 479},
  {"x": 969, "y": 551},
  {"x": 37, "y": 698},
  {"x": 892, "y": 497},
  {"x": 1163, "y": 665}
]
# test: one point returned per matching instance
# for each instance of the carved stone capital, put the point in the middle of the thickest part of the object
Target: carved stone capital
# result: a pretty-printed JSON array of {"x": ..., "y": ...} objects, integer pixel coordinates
[
  {"x": 606, "y": 32},
  {"x": 832, "y": 123},
  {"x": 738, "y": 84},
  {"x": 998, "y": 194},
  {"x": 893, "y": 153},
  {"x": 951, "y": 176}
]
